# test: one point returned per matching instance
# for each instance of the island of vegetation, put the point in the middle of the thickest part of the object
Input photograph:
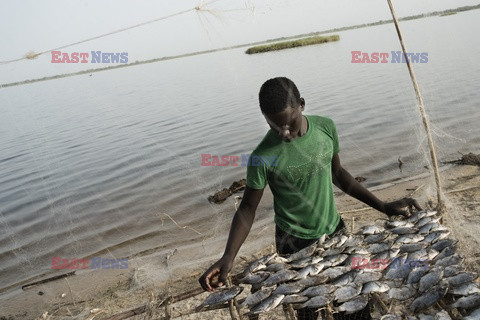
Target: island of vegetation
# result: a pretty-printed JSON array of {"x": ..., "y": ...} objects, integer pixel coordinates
[{"x": 292, "y": 44}]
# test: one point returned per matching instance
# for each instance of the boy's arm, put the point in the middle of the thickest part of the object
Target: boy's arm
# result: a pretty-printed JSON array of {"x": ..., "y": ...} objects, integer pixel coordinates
[
  {"x": 242, "y": 222},
  {"x": 344, "y": 180}
]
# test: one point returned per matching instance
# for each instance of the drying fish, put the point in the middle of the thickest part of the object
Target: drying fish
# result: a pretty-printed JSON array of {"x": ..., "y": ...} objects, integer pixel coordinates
[
  {"x": 374, "y": 286},
  {"x": 267, "y": 304},
  {"x": 305, "y": 252},
  {"x": 409, "y": 238},
  {"x": 465, "y": 289},
  {"x": 277, "y": 259},
  {"x": 448, "y": 251},
  {"x": 460, "y": 279},
  {"x": 430, "y": 279},
  {"x": 288, "y": 288},
  {"x": 259, "y": 264},
  {"x": 442, "y": 244},
  {"x": 255, "y": 298},
  {"x": 423, "y": 316},
  {"x": 379, "y": 247},
  {"x": 311, "y": 270},
  {"x": 253, "y": 278},
  {"x": 342, "y": 241},
  {"x": 279, "y": 277},
  {"x": 437, "y": 235},
  {"x": 302, "y": 263},
  {"x": 411, "y": 247},
  {"x": 333, "y": 251},
  {"x": 442, "y": 315},
  {"x": 475, "y": 315},
  {"x": 294, "y": 298},
  {"x": 347, "y": 292},
  {"x": 354, "y": 241},
  {"x": 354, "y": 305},
  {"x": 399, "y": 271},
  {"x": 402, "y": 293},
  {"x": 332, "y": 242},
  {"x": 317, "y": 302},
  {"x": 313, "y": 281},
  {"x": 375, "y": 238},
  {"x": 426, "y": 220},
  {"x": 391, "y": 317},
  {"x": 334, "y": 260},
  {"x": 399, "y": 223},
  {"x": 416, "y": 274},
  {"x": 448, "y": 261},
  {"x": 356, "y": 250},
  {"x": 318, "y": 290},
  {"x": 221, "y": 296},
  {"x": 428, "y": 298},
  {"x": 367, "y": 230},
  {"x": 345, "y": 278},
  {"x": 277, "y": 267},
  {"x": 417, "y": 216},
  {"x": 404, "y": 230},
  {"x": 365, "y": 277},
  {"x": 335, "y": 272},
  {"x": 468, "y": 302}
]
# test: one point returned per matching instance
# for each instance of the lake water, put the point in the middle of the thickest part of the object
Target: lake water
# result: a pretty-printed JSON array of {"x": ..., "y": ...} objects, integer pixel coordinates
[{"x": 89, "y": 165}]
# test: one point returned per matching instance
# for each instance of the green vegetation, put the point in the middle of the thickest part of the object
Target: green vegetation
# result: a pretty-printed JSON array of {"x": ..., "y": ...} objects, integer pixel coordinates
[{"x": 292, "y": 44}]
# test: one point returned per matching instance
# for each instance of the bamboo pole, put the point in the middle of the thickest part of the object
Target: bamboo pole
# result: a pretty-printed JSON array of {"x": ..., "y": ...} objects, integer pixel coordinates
[{"x": 426, "y": 124}]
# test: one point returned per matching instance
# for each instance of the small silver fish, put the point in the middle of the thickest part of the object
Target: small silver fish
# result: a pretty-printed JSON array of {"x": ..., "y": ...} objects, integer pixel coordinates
[
  {"x": 305, "y": 252},
  {"x": 399, "y": 223},
  {"x": 404, "y": 230},
  {"x": 347, "y": 292},
  {"x": 256, "y": 297},
  {"x": 332, "y": 273},
  {"x": 279, "y": 277},
  {"x": 356, "y": 250},
  {"x": 221, "y": 296},
  {"x": 288, "y": 288},
  {"x": 411, "y": 247},
  {"x": 332, "y": 261},
  {"x": 354, "y": 241},
  {"x": 253, "y": 278},
  {"x": 428, "y": 298},
  {"x": 313, "y": 280},
  {"x": 345, "y": 279},
  {"x": 402, "y": 293},
  {"x": 266, "y": 305},
  {"x": 318, "y": 290},
  {"x": 442, "y": 244},
  {"x": 259, "y": 264},
  {"x": 437, "y": 235},
  {"x": 375, "y": 238},
  {"x": 316, "y": 302},
  {"x": 332, "y": 241},
  {"x": 367, "y": 230},
  {"x": 379, "y": 247},
  {"x": 452, "y": 270},
  {"x": 409, "y": 238},
  {"x": 391, "y": 317},
  {"x": 416, "y": 274},
  {"x": 460, "y": 279},
  {"x": 465, "y": 289},
  {"x": 310, "y": 270},
  {"x": 430, "y": 279},
  {"x": 448, "y": 251},
  {"x": 468, "y": 302},
  {"x": 442, "y": 315},
  {"x": 294, "y": 298},
  {"x": 417, "y": 216},
  {"x": 354, "y": 305},
  {"x": 365, "y": 277},
  {"x": 342, "y": 241},
  {"x": 274, "y": 267},
  {"x": 333, "y": 251},
  {"x": 374, "y": 286},
  {"x": 475, "y": 315},
  {"x": 448, "y": 261},
  {"x": 277, "y": 259}
]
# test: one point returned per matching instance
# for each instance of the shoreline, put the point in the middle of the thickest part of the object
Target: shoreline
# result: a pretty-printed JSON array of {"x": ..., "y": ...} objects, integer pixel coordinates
[{"x": 151, "y": 277}]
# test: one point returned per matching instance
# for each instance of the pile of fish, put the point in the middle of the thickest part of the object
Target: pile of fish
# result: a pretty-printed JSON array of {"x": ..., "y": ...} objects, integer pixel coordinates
[{"x": 410, "y": 260}]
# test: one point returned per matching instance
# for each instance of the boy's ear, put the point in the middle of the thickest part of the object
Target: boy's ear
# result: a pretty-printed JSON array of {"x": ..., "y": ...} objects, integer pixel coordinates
[{"x": 302, "y": 104}]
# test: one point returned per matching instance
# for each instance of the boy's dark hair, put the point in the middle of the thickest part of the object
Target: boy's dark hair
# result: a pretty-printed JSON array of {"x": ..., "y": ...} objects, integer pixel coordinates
[{"x": 277, "y": 94}]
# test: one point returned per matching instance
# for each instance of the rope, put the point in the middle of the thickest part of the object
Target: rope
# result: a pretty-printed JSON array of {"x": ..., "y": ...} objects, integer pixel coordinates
[
  {"x": 33, "y": 55},
  {"x": 426, "y": 124}
]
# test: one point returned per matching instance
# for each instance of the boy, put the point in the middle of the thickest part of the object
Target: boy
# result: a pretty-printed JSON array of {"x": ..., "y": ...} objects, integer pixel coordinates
[{"x": 306, "y": 149}]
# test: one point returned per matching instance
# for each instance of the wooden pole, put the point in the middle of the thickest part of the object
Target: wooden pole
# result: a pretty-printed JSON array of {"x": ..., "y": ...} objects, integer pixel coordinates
[{"x": 426, "y": 124}]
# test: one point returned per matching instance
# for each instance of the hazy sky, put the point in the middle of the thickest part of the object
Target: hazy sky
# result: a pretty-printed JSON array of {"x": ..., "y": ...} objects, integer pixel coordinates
[{"x": 36, "y": 25}]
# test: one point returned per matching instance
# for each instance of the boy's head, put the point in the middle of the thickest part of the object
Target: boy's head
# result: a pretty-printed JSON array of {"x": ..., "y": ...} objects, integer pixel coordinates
[{"x": 282, "y": 106}]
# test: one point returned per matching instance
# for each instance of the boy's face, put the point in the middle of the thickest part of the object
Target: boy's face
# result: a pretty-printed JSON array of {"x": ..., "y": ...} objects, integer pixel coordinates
[{"x": 287, "y": 123}]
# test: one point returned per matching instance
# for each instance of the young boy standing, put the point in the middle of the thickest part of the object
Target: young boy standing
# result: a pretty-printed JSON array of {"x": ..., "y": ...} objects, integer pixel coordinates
[{"x": 301, "y": 180}]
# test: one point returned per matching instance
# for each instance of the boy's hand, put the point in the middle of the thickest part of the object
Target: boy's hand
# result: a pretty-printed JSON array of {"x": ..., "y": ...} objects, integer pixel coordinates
[
  {"x": 397, "y": 207},
  {"x": 216, "y": 275}
]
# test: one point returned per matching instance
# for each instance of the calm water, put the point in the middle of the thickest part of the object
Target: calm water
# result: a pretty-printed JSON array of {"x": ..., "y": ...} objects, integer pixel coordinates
[{"x": 88, "y": 165}]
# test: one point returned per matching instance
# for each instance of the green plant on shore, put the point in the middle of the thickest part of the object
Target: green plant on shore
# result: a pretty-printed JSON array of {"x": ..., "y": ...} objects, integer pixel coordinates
[{"x": 292, "y": 44}]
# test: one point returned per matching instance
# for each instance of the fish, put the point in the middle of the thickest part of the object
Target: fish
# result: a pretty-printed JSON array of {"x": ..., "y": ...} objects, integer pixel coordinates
[
  {"x": 333, "y": 251},
  {"x": 332, "y": 241},
  {"x": 379, "y": 247},
  {"x": 279, "y": 277},
  {"x": 305, "y": 262},
  {"x": 475, "y": 315},
  {"x": 421, "y": 254},
  {"x": 402, "y": 293},
  {"x": 313, "y": 280},
  {"x": 430, "y": 279},
  {"x": 277, "y": 259},
  {"x": 399, "y": 223},
  {"x": 442, "y": 315},
  {"x": 429, "y": 298},
  {"x": 221, "y": 296},
  {"x": 460, "y": 279},
  {"x": 374, "y": 286},
  {"x": 423, "y": 316},
  {"x": 332, "y": 261},
  {"x": 367, "y": 230},
  {"x": 354, "y": 305},
  {"x": 288, "y": 288},
  {"x": 465, "y": 289},
  {"x": 452, "y": 270},
  {"x": 310, "y": 270},
  {"x": 256, "y": 297},
  {"x": 347, "y": 292},
  {"x": 448, "y": 251},
  {"x": 404, "y": 230},
  {"x": 375, "y": 238},
  {"x": 397, "y": 270},
  {"x": 335, "y": 272},
  {"x": 266, "y": 305},
  {"x": 409, "y": 238},
  {"x": 305, "y": 252},
  {"x": 294, "y": 298},
  {"x": 468, "y": 302},
  {"x": 354, "y": 241},
  {"x": 318, "y": 290},
  {"x": 252, "y": 278},
  {"x": 391, "y": 317},
  {"x": 417, "y": 216},
  {"x": 356, "y": 250},
  {"x": 345, "y": 278},
  {"x": 448, "y": 261},
  {"x": 365, "y": 277},
  {"x": 277, "y": 267},
  {"x": 411, "y": 247},
  {"x": 425, "y": 220},
  {"x": 416, "y": 274},
  {"x": 387, "y": 254},
  {"x": 442, "y": 244},
  {"x": 259, "y": 264},
  {"x": 316, "y": 302},
  {"x": 342, "y": 241},
  {"x": 437, "y": 235}
]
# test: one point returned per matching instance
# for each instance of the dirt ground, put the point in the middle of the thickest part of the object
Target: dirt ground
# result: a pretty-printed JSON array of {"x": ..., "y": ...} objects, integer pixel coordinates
[{"x": 101, "y": 295}]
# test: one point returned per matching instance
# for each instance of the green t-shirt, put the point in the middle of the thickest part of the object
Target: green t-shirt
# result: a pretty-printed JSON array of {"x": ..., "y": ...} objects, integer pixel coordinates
[{"x": 300, "y": 177}]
